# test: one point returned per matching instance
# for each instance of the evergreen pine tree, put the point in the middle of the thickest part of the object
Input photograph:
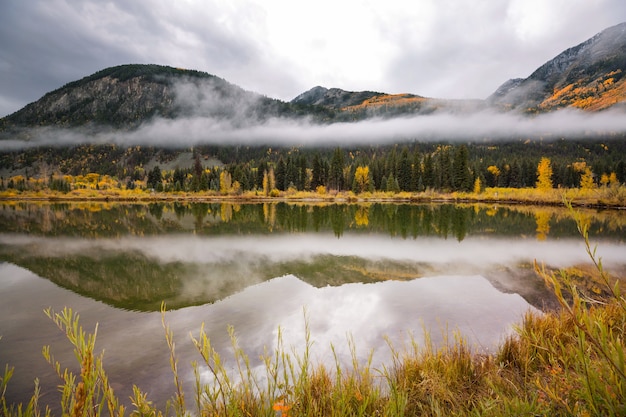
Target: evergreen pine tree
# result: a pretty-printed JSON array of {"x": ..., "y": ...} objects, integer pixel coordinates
[
  {"x": 461, "y": 175},
  {"x": 154, "y": 177},
  {"x": 317, "y": 178},
  {"x": 429, "y": 172},
  {"x": 336, "y": 170},
  {"x": 404, "y": 171},
  {"x": 280, "y": 174}
]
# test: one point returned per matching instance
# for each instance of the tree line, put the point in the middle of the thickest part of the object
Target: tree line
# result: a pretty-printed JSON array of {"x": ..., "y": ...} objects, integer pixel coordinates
[
  {"x": 409, "y": 167},
  {"x": 445, "y": 168}
]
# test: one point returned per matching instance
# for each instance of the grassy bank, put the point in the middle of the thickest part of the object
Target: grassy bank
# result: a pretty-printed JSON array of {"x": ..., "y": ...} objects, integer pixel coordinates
[
  {"x": 567, "y": 362},
  {"x": 609, "y": 197}
]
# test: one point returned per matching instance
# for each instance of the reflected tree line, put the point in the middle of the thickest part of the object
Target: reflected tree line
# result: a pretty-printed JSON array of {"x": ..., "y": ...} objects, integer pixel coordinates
[{"x": 398, "y": 220}]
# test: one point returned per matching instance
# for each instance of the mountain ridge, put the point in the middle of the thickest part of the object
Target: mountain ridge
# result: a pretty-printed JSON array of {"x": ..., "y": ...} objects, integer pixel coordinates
[
  {"x": 127, "y": 95},
  {"x": 588, "y": 76}
]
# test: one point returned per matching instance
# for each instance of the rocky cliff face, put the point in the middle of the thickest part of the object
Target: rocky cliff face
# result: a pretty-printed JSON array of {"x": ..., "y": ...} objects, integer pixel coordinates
[
  {"x": 126, "y": 96},
  {"x": 106, "y": 100},
  {"x": 588, "y": 76}
]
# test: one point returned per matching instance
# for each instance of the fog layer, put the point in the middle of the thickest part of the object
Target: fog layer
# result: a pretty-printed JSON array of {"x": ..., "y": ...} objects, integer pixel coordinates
[{"x": 474, "y": 126}]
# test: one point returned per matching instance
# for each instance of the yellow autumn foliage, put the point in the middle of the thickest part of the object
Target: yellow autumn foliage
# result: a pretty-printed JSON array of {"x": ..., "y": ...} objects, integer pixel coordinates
[
  {"x": 544, "y": 175},
  {"x": 592, "y": 95},
  {"x": 386, "y": 100}
]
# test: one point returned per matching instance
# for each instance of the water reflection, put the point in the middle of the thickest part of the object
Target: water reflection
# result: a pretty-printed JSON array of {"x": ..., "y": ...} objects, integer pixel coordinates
[
  {"x": 398, "y": 220},
  {"x": 136, "y": 256},
  {"x": 372, "y": 315},
  {"x": 369, "y": 270},
  {"x": 138, "y": 273}
]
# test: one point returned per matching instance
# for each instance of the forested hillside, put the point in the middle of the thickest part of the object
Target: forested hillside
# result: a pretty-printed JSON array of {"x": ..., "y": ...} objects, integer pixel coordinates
[{"x": 413, "y": 167}]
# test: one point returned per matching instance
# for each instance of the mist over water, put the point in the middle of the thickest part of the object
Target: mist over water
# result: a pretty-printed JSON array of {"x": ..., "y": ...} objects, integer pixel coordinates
[{"x": 305, "y": 246}]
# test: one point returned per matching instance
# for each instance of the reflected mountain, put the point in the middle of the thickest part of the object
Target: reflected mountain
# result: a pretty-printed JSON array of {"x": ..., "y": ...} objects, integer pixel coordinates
[
  {"x": 136, "y": 256},
  {"x": 132, "y": 280}
]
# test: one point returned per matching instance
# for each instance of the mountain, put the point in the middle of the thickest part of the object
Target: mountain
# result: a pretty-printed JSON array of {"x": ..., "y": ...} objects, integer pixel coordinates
[
  {"x": 588, "y": 76},
  {"x": 334, "y": 97},
  {"x": 357, "y": 105},
  {"x": 127, "y": 95}
]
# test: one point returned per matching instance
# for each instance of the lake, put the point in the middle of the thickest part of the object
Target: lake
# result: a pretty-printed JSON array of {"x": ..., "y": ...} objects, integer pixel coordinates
[{"x": 362, "y": 275}]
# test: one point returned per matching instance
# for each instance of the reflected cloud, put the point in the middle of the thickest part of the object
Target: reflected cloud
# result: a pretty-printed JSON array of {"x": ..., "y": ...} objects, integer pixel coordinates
[{"x": 371, "y": 316}]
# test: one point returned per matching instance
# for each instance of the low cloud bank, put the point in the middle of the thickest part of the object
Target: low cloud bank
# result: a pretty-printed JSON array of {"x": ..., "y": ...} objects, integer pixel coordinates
[{"x": 199, "y": 130}]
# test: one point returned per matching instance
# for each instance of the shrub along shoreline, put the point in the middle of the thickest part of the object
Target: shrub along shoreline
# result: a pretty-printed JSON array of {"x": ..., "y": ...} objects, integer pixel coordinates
[
  {"x": 609, "y": 198},
  {"x": 566, "y": 362}
]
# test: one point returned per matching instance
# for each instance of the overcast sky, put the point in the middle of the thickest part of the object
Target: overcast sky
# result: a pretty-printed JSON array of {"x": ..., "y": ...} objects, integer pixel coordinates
[{"x": 435, "y": 48}]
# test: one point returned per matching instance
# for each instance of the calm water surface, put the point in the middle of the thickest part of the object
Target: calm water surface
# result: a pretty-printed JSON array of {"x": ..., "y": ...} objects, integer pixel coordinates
[{"x": 374, "y": 274}]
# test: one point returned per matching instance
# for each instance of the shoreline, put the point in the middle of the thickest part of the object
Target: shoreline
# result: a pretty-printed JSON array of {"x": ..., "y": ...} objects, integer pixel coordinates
[{"x": 489, "y": 196}]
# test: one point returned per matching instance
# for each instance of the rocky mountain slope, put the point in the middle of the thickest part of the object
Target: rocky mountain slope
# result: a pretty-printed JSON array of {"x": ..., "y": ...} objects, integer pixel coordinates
[
  {"x": 588, "y": 76},
  {"x": 127, "y": 95}
]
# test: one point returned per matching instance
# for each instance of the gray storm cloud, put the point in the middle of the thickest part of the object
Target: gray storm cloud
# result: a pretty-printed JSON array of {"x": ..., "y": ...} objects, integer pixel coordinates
[{"x": 277, "y": 48}]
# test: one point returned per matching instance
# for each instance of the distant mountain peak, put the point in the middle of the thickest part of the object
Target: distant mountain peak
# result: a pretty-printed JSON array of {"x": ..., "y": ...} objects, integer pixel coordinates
[
  {"x": 588, "y": 76},
  {"x": 311, "y": 96},
  {"x": 333, "y": 97}
]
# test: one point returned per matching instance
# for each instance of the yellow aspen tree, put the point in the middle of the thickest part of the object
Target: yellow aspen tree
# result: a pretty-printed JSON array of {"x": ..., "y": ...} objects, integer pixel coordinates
[
  {"x": 266, "y": 188},
  {"x": 604, "y": 180},
  {"x": 225, "y": 182},
  {"x": 362, "y": 178},
  {"x": 544, "y": 175},
  {"x": 478, "y": 187},
  {"x": 271, "y": 178},
  {"x": 236, "y": 188},
  {"x": 586, "y": 180},
  {"x": 269, "y": 181},
  {"x": 495, "y": 171}
]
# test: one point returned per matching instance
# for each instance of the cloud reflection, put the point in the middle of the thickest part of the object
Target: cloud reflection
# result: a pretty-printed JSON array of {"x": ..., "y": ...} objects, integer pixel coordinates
[
  {"x": 280, "y": 248},
  {"x": 370, "y": 315}
]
